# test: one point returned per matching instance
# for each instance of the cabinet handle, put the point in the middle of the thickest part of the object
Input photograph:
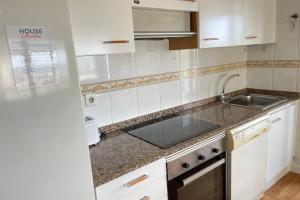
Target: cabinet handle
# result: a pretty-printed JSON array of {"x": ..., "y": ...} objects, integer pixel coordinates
[
  {"x": 209, "y": 39},
  {"x": 116, "y": 42},
  {"x": 146, "y": 198},
  {"x": 136, "y": 181},
  {"x": 276, "y": 120},
  {"x": 136, "y": 1},
  {"x": 251, "y": 37}
]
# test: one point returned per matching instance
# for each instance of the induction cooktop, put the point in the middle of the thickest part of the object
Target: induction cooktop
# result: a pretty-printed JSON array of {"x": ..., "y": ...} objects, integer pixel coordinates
[{"x": 172, "y": 131}]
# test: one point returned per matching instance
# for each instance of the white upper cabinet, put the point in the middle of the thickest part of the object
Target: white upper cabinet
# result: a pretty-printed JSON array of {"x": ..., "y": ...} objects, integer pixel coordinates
[
  {"x": 102, "y": 26},
  {"x": 177, "y": 5},
  {"x": 236, "y": 22},
  {"x": 221, "y": 23},
  {"x": 260, "y": 21}
]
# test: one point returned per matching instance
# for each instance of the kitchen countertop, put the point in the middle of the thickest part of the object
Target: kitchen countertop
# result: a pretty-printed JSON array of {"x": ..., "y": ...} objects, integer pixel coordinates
[{"x": 119, "y": 153}]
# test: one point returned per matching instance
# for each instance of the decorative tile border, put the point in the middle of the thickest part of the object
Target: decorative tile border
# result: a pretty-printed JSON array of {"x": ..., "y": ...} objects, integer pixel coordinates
[
  {"x": 195, "y": 72},
  {"x": 286, "y": 64},
  {"x": 159, "y": 78},
  {"x": 260, "y": 64},
  {"x": 274, "y": 64}
]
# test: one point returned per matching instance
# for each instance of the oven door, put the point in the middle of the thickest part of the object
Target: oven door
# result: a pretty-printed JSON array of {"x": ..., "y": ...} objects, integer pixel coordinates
[{"x": 205, "y": 182}]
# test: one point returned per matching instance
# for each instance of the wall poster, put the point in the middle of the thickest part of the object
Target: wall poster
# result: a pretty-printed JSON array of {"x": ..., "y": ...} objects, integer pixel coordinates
[{"x": 33, "y": 56}]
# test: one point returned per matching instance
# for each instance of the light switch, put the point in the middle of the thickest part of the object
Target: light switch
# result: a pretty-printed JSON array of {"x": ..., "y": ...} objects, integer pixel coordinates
[{"x": 90, "y": 99}]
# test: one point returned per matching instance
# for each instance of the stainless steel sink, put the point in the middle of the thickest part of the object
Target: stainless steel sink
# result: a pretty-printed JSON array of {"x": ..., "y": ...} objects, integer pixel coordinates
[{"x": 257, "y": 101}]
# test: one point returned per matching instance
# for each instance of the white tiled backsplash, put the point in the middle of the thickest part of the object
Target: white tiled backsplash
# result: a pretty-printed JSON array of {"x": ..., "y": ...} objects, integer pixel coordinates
[{"x": 153, "y": 57}]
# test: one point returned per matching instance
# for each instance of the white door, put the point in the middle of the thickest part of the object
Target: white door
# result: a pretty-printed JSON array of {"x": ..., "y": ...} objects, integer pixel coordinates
[
  {"x": 221, "y": 23},
  {"x": 280, "y": 143},
  {"x": 291, "y": 134},
  {"x": 259, "y": 21},
  {"x": 102, "y": 26},
  {"x": 249, "y": 169}
]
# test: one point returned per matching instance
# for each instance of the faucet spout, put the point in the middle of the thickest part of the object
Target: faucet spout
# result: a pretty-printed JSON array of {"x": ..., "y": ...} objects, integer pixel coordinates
[{"x": 223, "y": 97}]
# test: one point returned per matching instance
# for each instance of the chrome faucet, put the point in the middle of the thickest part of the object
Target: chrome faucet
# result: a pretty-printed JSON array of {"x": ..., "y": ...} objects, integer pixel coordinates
[{"x": 223, "y": 97}]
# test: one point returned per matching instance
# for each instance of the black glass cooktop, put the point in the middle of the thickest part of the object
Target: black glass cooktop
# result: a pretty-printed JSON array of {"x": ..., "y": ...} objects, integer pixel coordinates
[{"x": 172, "y": 131}]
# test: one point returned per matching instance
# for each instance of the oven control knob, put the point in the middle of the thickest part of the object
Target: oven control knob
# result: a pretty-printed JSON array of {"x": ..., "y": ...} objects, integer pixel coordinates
[
  {"x": 201, "y": 157},
  {"x": 216, "y": 150},
  {"x": 186, "y": 165}
]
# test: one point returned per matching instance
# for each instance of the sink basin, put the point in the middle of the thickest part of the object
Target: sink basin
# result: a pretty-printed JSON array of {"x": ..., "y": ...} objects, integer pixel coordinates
[{"x": 257, "y": 101}]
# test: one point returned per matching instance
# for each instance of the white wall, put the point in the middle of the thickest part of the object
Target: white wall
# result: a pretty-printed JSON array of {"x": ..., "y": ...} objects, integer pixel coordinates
[
  {"x": 287, "y": 47},
  {"x": 43, "y": 146},
  {"x": 153, "y": 57}
]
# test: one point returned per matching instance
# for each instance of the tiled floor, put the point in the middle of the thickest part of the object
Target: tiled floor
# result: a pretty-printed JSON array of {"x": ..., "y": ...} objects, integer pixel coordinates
[{"x": 288, "y": 188}]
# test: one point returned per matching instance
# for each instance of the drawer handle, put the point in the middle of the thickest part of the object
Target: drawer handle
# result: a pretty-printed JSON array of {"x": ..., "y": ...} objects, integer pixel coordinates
[
  {"x": 136, "y": 181},
  {"x": 251, "y": 37},
  {"x": 276, "y": 120},
  {"x": 146, "y": 198},
  {"x": 211, "y": 39},
  {"x": 136, "y": 1},
  {"x": 116, "y": 42}
]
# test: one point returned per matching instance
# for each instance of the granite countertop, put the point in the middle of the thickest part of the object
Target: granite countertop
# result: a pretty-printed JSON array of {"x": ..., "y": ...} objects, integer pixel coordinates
[{"x": 120, "y": 153}]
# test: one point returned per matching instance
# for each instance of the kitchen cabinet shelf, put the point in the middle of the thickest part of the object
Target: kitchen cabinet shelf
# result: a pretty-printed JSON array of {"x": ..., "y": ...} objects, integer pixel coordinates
[
  {"x": 181, "y": 29},
  {"x": 162, "y": 35},
  {"x": 171, "y": 5}
]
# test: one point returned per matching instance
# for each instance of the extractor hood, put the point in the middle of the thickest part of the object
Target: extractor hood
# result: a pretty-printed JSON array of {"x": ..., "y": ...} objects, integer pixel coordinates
[{"x": 162, "y": 35}]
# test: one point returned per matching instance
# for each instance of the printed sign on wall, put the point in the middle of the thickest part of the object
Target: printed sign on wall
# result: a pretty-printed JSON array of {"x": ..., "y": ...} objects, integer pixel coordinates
[{"x": 33, "y": 56}]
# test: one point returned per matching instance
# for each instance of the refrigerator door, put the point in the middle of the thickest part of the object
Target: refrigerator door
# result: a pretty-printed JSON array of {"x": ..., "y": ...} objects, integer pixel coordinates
[{"x": 43, "y": 145}]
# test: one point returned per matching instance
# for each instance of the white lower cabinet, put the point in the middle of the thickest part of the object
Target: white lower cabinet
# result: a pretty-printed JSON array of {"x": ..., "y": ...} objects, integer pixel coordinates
[
  {"x": 280, "y": 143},
  {"x": 148, "y": 182}
]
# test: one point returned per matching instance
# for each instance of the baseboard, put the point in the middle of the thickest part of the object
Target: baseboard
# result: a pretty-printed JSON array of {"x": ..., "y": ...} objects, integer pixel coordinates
[
  {"x": 260, "y": 196},
  {"x": 278, "y": 177},
  {"x": 295, "y": 168}
]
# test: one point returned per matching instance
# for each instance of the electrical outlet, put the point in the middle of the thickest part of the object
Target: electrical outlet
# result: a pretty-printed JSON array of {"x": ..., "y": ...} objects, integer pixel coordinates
[{"x": 90, "y": 99}]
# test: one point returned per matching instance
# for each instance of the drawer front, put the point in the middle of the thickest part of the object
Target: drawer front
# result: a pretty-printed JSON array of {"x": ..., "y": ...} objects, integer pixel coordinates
[
  {"x": 134, "y": 181},
  {"x": 153, "y": 191}
]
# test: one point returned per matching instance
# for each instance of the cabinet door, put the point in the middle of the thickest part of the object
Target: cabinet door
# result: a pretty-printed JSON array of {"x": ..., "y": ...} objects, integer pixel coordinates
[
  {"x": 280, "y": 143},
  {"x": 149, "y": 180},
  {"x": 291, "y": 134},
  {"x": 102, "y": 26},
  {"x": 259, "y": 21},
  {"x": 177, "y": 5},
  {"x": 221, "y": 23}
]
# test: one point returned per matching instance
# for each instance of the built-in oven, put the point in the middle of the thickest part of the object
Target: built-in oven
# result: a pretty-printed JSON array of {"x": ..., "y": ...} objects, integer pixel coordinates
[{"x": 199, "y": 172}]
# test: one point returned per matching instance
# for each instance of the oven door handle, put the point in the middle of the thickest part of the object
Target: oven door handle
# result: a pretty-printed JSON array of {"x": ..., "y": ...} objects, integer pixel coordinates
[{"x": 203, "y": 172}]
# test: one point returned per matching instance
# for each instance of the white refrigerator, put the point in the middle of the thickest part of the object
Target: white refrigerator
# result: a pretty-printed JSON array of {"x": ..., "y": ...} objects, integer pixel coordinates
[{"x": 43, "y": 145}]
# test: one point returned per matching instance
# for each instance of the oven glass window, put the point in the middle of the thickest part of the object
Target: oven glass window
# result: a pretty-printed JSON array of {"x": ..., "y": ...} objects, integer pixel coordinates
[{"x": 210, "y": 186}]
